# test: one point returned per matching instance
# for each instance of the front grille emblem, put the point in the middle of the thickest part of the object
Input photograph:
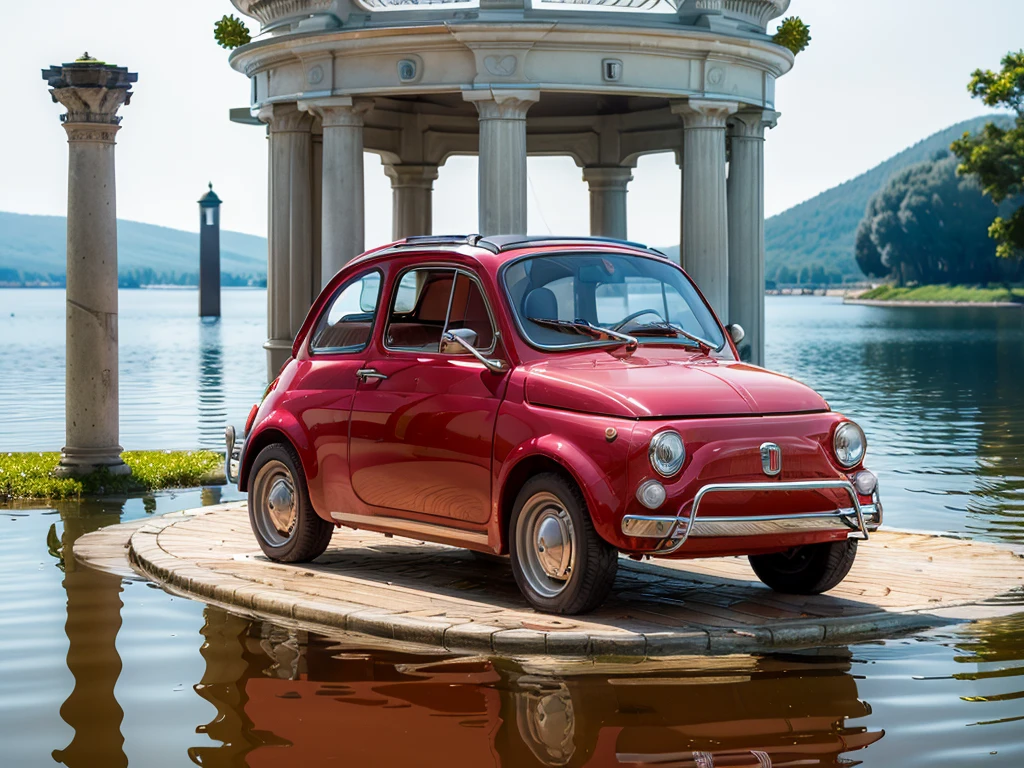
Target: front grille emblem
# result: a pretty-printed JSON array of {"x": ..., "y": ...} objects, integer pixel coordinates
[{"x": 771, "y": 459}]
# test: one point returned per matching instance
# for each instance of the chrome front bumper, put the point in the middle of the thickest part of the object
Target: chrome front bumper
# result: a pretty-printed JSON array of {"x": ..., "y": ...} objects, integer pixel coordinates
[
  {"x": 860, "y": 519},
  {"x": 232, "y": 454}
]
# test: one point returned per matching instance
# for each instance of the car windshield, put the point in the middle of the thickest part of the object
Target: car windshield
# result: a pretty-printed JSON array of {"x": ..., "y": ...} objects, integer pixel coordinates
[{"x": 567, "y": 299}]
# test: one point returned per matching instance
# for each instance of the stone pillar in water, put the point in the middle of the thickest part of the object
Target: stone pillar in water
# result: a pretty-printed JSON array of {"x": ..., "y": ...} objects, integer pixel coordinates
[
  {"x": 209, "y": 254},
  {"x": 92, "y": 92}
]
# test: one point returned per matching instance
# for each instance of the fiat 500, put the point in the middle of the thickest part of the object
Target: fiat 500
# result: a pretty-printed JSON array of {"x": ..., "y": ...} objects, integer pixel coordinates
[{"x": 561, "y": 401}]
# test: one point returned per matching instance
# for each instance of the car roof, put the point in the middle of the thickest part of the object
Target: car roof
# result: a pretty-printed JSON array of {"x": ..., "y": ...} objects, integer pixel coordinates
[{"x": 498, "y": 249}]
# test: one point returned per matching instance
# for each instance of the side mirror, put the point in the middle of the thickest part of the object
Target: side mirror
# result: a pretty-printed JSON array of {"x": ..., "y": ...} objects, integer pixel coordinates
[
  {"x": 458, "y": 338},
  {"x": 449, "y": 346},
  {"x": 736, "y": 332}
]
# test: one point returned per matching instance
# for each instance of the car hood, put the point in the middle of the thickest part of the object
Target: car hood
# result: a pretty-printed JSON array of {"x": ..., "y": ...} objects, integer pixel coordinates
[{"x": 649, "y": 387}]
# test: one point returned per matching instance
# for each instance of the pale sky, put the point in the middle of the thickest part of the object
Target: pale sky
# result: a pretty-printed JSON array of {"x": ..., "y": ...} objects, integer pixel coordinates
[{"x": 878, "y": 76}]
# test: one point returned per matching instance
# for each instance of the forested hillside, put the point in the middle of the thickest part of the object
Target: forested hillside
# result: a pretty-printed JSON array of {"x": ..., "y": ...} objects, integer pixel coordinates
[{"x": 817, "y": 236}]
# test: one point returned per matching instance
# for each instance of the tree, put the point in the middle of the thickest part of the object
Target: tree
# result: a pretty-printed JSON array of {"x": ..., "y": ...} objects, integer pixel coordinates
[
  {"x": 869, "y": 259},
  {"x": 929, "y": 225},
  {"x": 995, "y": 156}
]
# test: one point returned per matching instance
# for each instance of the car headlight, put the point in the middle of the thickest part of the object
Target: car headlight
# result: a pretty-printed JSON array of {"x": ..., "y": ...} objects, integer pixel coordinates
[
  {"x": 849, "y": 444},
  {"x": 667, "y": 453}
]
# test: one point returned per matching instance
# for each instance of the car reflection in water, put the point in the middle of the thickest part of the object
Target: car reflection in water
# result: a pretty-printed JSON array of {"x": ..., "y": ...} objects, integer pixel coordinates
[{"x": 285, "y": 695}]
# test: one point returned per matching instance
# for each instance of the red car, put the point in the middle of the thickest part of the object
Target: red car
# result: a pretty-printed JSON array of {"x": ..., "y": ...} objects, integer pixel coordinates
[{"x": 558, "y": 400}]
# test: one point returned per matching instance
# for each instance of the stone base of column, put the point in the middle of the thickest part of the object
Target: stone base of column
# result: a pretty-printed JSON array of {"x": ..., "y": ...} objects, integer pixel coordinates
[
  {"x": 278, "y": 352},
  {"x": 75, "y": 462}
]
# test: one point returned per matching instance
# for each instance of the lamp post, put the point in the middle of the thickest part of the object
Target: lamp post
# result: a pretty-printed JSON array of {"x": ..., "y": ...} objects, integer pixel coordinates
[
  {"x": 92, "y": 92},
  {"x": 209, "y": 254}
]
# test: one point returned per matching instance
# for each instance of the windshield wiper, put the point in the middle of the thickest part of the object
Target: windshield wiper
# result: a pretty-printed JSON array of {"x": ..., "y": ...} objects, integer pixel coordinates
[
  {"x": 662, "y": 329},
  {"x": 585, "y": 328}
]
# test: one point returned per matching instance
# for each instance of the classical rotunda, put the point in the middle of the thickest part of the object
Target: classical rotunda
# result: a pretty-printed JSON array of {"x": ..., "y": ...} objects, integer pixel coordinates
[{"x": 602, "y": 81}]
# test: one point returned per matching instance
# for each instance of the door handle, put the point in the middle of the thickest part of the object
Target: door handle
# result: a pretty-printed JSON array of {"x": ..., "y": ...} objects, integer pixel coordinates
[{"x": 365, "y": 374}]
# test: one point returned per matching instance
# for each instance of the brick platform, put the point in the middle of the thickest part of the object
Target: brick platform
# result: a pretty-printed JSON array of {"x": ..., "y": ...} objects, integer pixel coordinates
[{"x": 438, "y": 596}]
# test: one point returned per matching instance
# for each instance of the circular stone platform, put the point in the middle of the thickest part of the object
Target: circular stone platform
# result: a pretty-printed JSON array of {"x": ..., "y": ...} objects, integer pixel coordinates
[{"x": 400, "y": 589}]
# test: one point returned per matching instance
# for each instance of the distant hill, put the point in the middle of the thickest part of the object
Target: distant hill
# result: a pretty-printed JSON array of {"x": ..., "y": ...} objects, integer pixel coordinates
[
  {"x": 33, "y": 248},
  {"x": 820, "y": 231}
]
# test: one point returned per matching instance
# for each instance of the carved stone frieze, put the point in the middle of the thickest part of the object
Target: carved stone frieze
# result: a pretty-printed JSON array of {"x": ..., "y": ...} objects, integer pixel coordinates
[
  {"x": 751, "y": 123},
  {"x": 269, "y": 11},
  {"x": 704, "y": 113},
  {"x": 502, "y": 105},
  {"x": 98, "y": 132}
]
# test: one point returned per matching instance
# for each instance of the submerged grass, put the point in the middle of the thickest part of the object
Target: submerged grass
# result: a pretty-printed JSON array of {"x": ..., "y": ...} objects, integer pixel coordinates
[
  {"x": 978, "y": 294},
  {"x": 30, "y": 475}
]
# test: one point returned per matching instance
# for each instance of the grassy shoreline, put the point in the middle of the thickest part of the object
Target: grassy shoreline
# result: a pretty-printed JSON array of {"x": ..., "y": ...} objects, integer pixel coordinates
[
  {"x": 946, "y": 294},
  {"x": 30, "y": 475}
]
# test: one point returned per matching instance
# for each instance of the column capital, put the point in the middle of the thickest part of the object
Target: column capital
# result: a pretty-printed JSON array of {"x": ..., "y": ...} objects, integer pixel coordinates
[
  {"x": 751, "y": 123},
  {"x": 407, "y": 175},
  {"x": 502, "y": 104},
  {"x": 607, "y": 177},
  {"x": 338, "y": 111},
  {"x": 91, "y": 91},
  {"x": 286, "y": 117},
  {"x": 704, "y": 113}
]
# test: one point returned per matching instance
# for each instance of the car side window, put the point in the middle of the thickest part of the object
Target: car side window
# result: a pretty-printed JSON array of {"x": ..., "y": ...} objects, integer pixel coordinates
[
  {"x": 431, "y": 300},
  {"x": 419, "y": 309},
  {"x": 348, "y": 321},
  {"x": 469, "y": 310}
]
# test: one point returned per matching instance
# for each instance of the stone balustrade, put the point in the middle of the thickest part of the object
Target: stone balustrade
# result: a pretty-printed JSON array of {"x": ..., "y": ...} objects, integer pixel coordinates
[{"x": 745, "y": 15}]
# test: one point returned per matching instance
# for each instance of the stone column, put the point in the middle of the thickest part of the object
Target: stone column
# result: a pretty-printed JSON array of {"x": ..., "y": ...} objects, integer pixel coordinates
[
  {"x": 290, "y": 241},
  {"x": 746, "y": 227},
  {"x": 502, "y": 172},
  {"x": 705, "y": 241},
  {"x": 342, "y": 236},
  {"x": 608, "y": 212},
  {"x": 412, "y": 190},
  {"x": 316, "y": 184},
  {"x": 92, "y": 93}
]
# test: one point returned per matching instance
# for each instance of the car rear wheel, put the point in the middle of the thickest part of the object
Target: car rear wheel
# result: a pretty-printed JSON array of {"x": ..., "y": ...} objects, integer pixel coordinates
[
  {"x": 807, "y": 570},
  {"x": 287, "y": 527},
  {"x": 560, "y": 563}
]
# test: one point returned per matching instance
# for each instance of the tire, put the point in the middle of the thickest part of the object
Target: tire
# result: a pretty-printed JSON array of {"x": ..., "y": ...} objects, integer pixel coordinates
[
  {"x": 554, "y": 580},
  {"x": 807, "y": 570},
  {"x": 295, "y": 534}
]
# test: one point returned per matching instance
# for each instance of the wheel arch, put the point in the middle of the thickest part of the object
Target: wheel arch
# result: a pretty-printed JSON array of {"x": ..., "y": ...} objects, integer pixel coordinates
[
  {"x": 554, "y": 454},
  {"x": 260, "y": 439}
]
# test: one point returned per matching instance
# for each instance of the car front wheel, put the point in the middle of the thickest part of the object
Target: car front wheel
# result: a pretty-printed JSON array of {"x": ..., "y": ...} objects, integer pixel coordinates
[
  {"x": 808, "y": 570},
  {"x": 287, "y": 527},
  {"x": 559, "y": 562}
]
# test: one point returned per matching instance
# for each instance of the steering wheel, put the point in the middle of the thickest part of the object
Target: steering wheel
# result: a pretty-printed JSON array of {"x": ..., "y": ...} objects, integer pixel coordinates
[{"x": 635, "y": 315}]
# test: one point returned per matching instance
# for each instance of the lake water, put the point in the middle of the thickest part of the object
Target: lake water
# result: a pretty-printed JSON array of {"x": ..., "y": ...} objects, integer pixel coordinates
[{"x": 100, "y": 671}]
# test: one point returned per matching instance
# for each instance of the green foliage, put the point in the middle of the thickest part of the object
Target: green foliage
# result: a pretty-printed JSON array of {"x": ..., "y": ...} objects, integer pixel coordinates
[
  {"x": 995, "y": 156},
  {"x": 231, "y": 32},
  {"x": 980, "y": 294},
  {"x": 30, "y": 475},
  {"x": 928, "y": 225},
  {"x": 793, "y": 34}
]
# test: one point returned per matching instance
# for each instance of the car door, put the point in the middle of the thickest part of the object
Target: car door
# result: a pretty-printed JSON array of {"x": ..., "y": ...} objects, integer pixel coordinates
[
  {"x": 337, "y": 350},
  {"x": 422, "y": 421}
]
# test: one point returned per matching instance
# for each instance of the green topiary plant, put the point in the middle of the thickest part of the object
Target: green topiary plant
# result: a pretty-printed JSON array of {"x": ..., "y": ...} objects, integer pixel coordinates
[
  {"x": 793, "y": 34},
  {"x": 231, "y": 32}
]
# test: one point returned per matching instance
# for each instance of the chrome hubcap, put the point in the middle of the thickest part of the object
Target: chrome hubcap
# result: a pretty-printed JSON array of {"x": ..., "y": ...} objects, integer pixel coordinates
[
  {"x": 275, "y": 503},
  {"x": 546, "y": 544}
]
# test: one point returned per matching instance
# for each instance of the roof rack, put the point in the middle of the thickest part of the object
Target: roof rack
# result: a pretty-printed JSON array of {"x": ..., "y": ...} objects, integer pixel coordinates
[
  {"x": 443, "y": 240},
  {"x": 511, "y": 242},
  {"x": 502, "y": 243}
]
